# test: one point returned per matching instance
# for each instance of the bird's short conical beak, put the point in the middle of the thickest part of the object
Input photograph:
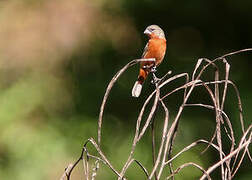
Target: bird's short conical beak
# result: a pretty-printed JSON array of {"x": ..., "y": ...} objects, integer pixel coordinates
[{"x": 147, "y": 32}]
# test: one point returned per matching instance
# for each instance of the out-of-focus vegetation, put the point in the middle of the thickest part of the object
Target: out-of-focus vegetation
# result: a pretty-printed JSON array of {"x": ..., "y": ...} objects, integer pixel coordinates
[{"x": 56, "y": 58}]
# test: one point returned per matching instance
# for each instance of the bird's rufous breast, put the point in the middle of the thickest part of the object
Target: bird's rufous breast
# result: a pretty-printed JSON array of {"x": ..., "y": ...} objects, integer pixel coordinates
[{"x": 156, "y": 49}]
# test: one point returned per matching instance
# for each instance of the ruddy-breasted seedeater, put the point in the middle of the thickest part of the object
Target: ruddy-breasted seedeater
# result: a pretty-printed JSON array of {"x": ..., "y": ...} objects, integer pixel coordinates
[{"x": 155, "y": 48}]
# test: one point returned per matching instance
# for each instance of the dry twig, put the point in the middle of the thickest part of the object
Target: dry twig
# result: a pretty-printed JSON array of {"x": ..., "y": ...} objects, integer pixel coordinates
[{"x": 229, "y": 162}]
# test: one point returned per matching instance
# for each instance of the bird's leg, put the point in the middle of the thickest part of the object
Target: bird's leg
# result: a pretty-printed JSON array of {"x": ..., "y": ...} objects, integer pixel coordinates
[
  {"x": 153, "y": 69},
  {"x": 149, "y": 67},
  {"x": 155, "y": 80},
  {"x": 150, "y": 63}
]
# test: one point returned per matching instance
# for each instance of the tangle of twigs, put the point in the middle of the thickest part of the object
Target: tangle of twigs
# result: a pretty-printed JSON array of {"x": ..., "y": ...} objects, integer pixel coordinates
[{"x": 229, "y": 161}]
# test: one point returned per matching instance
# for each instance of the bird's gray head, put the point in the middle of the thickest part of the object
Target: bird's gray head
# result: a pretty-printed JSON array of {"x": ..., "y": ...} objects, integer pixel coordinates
[{"x": 154, "y": 31}]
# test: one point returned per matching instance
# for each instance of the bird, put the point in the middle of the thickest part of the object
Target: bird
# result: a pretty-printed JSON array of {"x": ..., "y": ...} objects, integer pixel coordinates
[{"x": 155, "y": 48}]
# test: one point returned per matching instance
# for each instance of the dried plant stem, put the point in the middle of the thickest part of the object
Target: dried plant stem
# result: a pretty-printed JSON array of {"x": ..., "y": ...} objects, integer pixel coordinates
[
  {"x": 153, "y": 145},
  {"x": 157, "y": 162},
  {"x": 112, "y": 82},
  {"x": 229, "y": 160},
  {"x": 189, "y": 164},
  {"x": 233, "y": 153}
]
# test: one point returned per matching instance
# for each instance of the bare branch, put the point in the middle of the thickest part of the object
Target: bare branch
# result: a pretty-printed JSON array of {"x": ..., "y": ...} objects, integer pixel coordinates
[
  {"x": 189, "y": 164},
  {"x": 233, "y": 153},
  {"x": 164, "y": 146}
]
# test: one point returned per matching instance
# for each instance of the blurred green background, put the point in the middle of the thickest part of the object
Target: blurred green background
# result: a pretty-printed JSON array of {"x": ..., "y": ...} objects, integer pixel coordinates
[{"x": 57, "y": 57}]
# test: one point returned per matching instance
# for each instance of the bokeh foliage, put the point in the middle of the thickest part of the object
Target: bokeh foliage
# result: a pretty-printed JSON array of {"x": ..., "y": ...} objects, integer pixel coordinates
[{"x": 57, "y": 57}]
